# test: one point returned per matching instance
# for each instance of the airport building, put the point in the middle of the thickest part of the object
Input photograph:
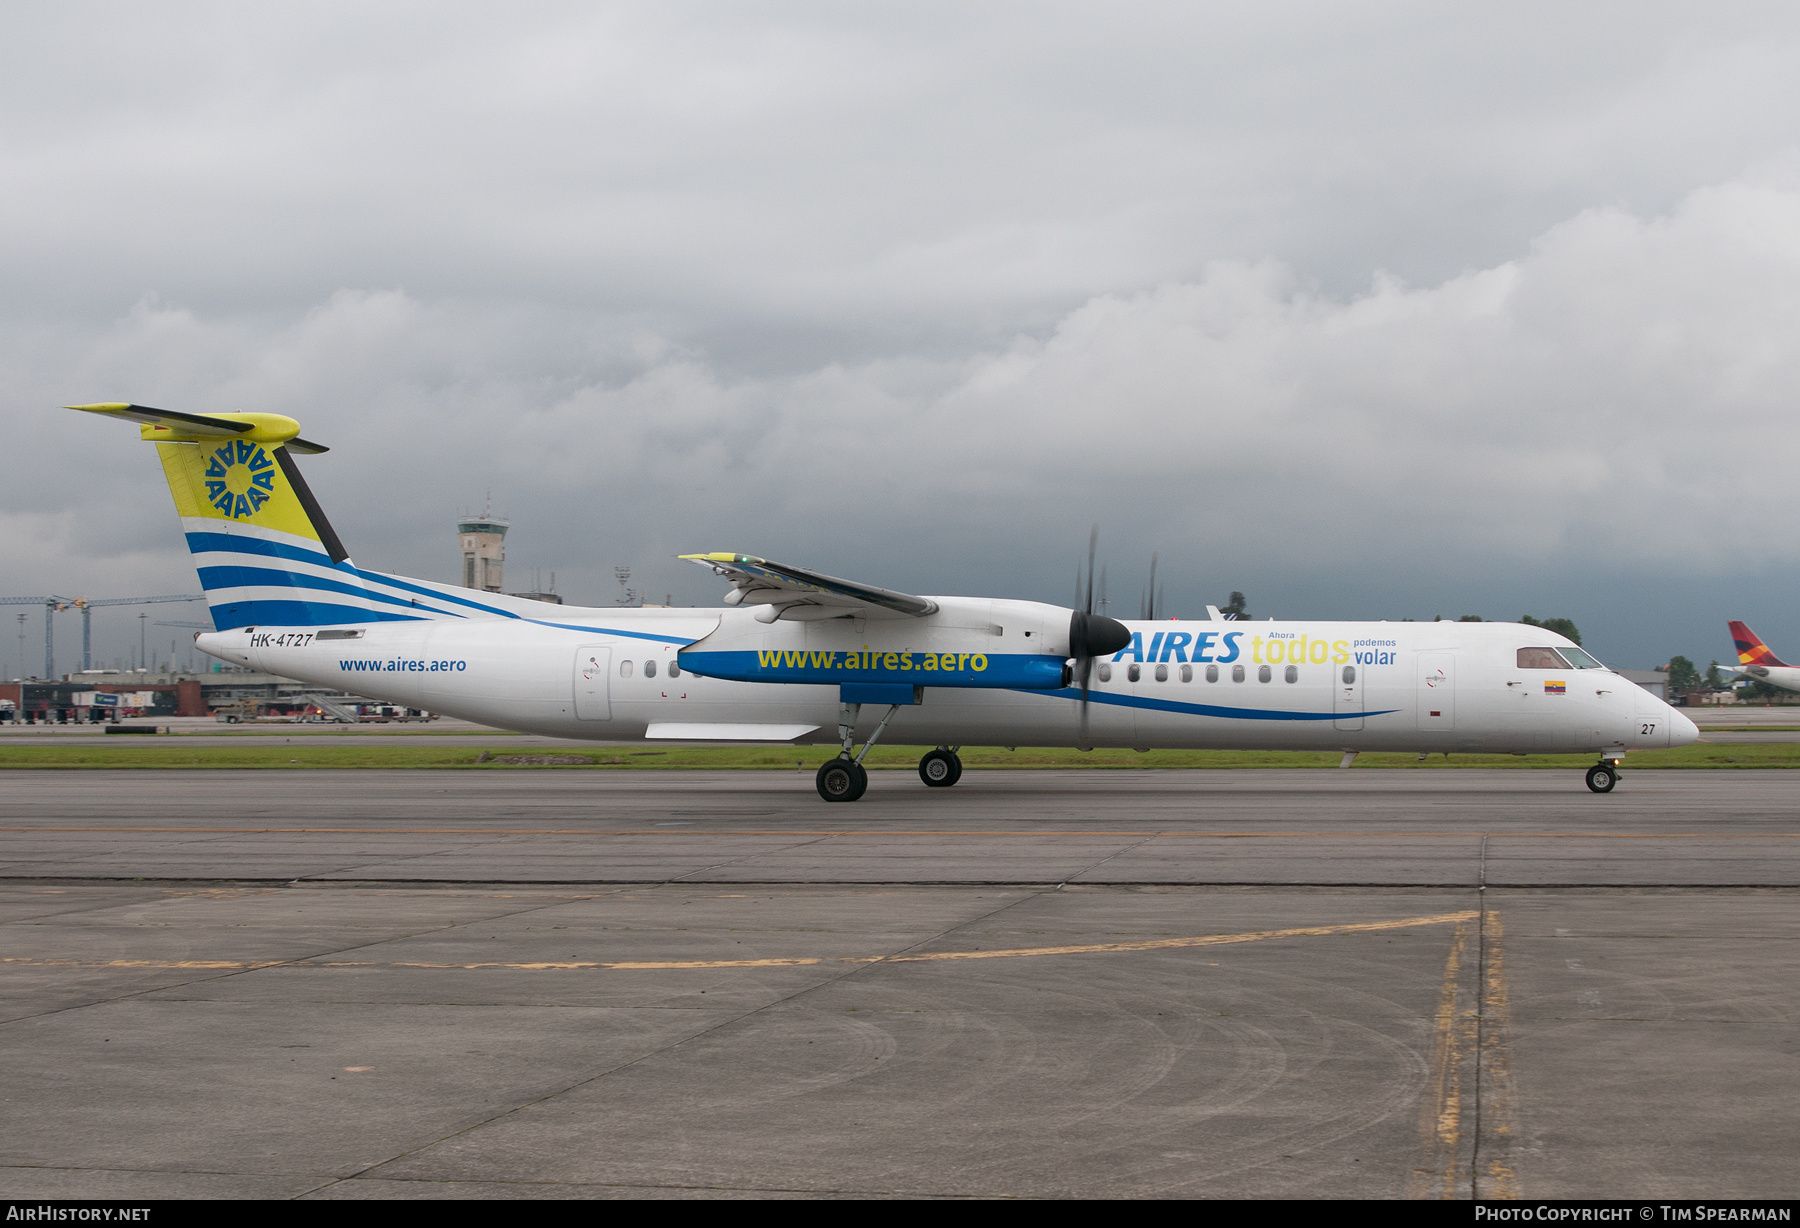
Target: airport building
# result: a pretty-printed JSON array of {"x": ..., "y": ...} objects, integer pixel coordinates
[
  {"x": 1653, "y": 680},
  {"x": 225, "y": 689},
  {"x": 483, "y": 542}
]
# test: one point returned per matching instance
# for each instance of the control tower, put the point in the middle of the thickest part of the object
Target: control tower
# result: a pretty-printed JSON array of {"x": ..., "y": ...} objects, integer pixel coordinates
[{"x": 483, "y": 550}]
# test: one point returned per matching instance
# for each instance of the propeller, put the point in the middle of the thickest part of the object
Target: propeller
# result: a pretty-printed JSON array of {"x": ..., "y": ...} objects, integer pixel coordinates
[
  {"x": 1091, "y": 634},
  {"x": 1151, "y": 596}
]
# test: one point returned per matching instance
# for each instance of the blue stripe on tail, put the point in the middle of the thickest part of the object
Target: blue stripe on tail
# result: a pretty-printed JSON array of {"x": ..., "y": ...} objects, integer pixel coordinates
[
  {"x": 299, "y": 614},
  {"x": 231, "y": 543},
  {"x": 213, "y": 578}
]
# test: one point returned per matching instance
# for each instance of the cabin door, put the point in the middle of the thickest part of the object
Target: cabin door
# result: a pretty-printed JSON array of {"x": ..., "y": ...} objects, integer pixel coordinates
[
  {"x": 1347, "y": 699},
  {"x": 593, "y": 681},
  {"x": 1437, "y": 690}
]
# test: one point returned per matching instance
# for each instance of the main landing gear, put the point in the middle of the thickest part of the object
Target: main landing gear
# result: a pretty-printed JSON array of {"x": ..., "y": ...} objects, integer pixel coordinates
[
  {"x": 940, "y": 768},
  {"x": 841, "y": 780},
  {"x": 844, "y": 779},
  {"x": 1603, "y": 776}
]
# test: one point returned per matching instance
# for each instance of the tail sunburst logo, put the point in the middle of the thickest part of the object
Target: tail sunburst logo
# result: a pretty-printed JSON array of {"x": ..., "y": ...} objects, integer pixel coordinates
[{"x": 240, "y": 478}]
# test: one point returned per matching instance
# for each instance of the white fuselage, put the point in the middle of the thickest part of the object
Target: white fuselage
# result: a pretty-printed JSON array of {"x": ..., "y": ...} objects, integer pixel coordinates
[
  {"x": 581, "y": 673},
  {"x": 1786, "y": 676}
]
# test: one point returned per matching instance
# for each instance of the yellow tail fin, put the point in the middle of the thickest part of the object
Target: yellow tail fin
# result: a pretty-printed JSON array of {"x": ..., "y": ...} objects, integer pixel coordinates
[
  {"x": 235, "y": 471},
  {"x": 266, "y": 555}
]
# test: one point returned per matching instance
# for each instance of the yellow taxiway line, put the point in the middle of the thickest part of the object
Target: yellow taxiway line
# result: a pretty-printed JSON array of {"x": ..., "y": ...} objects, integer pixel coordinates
[{"x": 1149, "y": 944}]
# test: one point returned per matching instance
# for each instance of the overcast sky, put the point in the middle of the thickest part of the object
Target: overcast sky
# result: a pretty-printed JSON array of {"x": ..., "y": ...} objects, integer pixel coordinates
[{"x": 1370, "y": 310}]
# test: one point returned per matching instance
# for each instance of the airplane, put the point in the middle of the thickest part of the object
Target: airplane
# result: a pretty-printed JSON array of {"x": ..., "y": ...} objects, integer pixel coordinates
[
  {"x": 1756, "y": 659},
  {"x": 795, "y": 656}
]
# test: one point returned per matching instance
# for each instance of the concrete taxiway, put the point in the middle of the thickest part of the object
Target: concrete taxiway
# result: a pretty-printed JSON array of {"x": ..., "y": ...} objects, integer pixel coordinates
[
  {"x": 1426, "y": 827},
  {"x": 572, "y": 984}
]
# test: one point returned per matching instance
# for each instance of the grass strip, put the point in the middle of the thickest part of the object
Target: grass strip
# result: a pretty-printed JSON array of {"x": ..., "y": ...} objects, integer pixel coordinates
[{"x": 500, "y": 757}]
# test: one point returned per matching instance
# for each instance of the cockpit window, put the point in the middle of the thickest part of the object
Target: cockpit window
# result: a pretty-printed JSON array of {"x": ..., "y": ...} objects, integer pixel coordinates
[
  {"x": 1580, "y": 659},
  {"x": 1541, "y": 658}
]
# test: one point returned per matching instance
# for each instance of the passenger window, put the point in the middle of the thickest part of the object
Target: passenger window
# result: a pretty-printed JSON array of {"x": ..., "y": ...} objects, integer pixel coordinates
[
  {"x": 1541, "y": 658},
  {"x": 1237, "y": 673},
  {"x": 674, "y": 669},
  {"x": 650, "y": 669},
  {"x": 1349, "y": 674},
  {"x": 1293, "y": 673},
  {"x": 1187, "y": 673},
  {"x": 1212, "y": 673},
  {"x": 1162, "y": 673},
  {"x": 1263, "y": 673},
  {"x": 625, "y": 669},
  {"x": 1106, "y": 673},
  {"x": 1134, "y": 673}
]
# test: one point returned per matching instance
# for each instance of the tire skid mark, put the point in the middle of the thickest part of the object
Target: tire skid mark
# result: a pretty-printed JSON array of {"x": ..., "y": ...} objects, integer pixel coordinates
[{"x": 1398, "y": 1094}]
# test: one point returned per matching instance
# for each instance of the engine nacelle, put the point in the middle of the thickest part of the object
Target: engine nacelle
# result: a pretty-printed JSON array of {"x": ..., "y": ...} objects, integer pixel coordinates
[{"x": 1016, "y": 645}]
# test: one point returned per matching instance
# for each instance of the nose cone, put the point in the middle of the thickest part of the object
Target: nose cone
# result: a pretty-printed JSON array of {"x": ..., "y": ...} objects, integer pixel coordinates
[
  {"x": 1095, "y": 635},
  {"x": 1682, "y": 731}
]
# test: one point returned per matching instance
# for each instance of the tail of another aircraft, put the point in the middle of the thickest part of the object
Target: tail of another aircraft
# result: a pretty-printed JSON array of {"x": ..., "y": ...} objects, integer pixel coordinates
[
  {"x": 264, "y": 550},
  {"x": 1750, "y": 648}
]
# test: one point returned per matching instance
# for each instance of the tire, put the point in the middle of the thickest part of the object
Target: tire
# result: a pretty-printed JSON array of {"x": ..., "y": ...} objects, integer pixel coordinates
[
  {"x": 1602, "y": 777},
  {"x": 841, "y": 780},
  {"x": 940, "y": 768}
]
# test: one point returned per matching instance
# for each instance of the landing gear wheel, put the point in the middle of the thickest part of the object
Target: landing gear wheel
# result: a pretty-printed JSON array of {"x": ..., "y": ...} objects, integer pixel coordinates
[
  {"x": 841, "y": 780},
  {"x": 1602, "y": 777},
  {"x": 940, "y": 768}
]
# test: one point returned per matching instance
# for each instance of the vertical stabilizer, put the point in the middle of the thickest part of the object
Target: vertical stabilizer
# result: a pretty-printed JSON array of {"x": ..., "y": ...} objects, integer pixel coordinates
[
  {"x": 265, "y": 552},
  {"x": 1750, "y": 648}
]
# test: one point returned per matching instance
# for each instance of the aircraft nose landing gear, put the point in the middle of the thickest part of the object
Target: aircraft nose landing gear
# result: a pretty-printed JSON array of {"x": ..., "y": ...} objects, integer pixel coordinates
[
  {"x": 1602, "y": 777},
  {"x": 940, "y": 768}
]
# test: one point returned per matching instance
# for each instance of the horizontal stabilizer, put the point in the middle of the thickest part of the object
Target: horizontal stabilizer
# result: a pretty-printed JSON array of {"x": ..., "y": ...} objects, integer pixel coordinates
[
  {"x": 173, "y": 426},
  {"x": 764, "y": 582}
]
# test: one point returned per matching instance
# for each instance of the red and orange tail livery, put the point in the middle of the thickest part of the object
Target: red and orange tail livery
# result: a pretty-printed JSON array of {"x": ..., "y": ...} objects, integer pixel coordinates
[{"x": 1750, "y": 649}]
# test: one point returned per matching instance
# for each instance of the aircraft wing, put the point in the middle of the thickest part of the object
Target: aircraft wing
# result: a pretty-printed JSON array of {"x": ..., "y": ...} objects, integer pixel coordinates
[{"x": 765, "y": 582}]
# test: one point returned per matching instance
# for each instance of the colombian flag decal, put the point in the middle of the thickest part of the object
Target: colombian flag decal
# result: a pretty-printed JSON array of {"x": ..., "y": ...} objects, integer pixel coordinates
[{"x": 1555, "y": 688}]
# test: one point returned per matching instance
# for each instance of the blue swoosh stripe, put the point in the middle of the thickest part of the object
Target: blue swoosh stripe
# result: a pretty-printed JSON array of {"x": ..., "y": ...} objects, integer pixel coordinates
[
  {"x": 635, "y": 635},
  {"x": 263, "y": 577},
  {"x": 376, "y": 577},
  {"x": 204, "y": 543},
  {"x": 298, "y": 614},
  {"x": 226, "y": 543},
  {"x": 1219, "y": 710}
]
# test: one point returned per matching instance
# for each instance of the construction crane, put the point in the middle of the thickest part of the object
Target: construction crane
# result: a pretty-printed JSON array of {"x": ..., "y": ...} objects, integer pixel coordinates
[{"x": 56, "y": 605}]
